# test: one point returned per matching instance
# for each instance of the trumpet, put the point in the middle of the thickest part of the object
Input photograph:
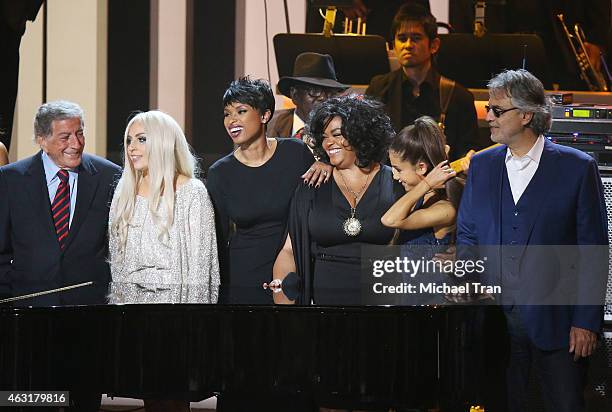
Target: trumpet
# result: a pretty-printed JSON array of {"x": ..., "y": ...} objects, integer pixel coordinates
[{"x": 593, "y": 78}]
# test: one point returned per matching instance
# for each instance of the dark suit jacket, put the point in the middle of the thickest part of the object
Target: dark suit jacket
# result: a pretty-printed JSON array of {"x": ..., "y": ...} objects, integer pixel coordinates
[
  {"x": 461, "y": 120},
  {"x": 281, "y": 124},
  {"x": 30, "y": 257},
  {"x": 568, "y": 209}
]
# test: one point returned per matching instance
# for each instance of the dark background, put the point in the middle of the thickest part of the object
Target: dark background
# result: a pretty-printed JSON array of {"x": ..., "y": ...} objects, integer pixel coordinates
[{"x": 211, "y": 45}]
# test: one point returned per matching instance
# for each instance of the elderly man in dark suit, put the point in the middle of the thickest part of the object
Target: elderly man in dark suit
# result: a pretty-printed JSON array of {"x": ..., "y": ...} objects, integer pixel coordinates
[
  {"x": 54, "y": 213},
  {"x": 53, "y": 220},
  {"x": 314, "y": 80}
]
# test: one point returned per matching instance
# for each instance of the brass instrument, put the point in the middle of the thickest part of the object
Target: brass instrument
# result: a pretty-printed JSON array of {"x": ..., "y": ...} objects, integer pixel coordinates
[
  {"x": 330, "y": 20},
  {"x": 593, "y": 78},
  {"x": 479, "y": 19}
]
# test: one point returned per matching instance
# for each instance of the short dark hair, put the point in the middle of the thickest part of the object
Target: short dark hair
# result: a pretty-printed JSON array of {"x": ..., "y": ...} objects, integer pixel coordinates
[
  {"x": 365, "y": 126},
  {"x": 415, "y": 12},
  {"x": 256, "y": 93}
]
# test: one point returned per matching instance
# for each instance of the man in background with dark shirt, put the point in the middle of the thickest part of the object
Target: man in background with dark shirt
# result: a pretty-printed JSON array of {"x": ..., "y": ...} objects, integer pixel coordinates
[{"x": 417, "y": 89}]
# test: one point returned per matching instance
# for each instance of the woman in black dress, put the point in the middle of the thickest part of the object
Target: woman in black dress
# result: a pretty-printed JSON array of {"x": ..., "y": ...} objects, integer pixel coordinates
[
  {"x": 330, "y": 224},
  {"x": 251, "y": 189}
]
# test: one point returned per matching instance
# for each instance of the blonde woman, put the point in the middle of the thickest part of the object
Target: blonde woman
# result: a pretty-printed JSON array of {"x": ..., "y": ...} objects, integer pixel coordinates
[{"x": 161, "y": 226}]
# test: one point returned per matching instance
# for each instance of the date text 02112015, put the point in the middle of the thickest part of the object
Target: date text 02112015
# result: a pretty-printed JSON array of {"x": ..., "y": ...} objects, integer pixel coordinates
[{"x": 34, "y": 398}]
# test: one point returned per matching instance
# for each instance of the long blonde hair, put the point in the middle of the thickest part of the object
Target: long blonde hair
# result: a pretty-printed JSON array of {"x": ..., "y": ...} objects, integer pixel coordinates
[{"x": 169, "y": 155}]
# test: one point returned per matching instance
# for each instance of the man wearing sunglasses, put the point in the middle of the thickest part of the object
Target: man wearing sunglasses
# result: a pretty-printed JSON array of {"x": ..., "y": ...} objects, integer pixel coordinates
[
  {"x": 529, "y": 195},
  {"x": 314, "y": 80}
]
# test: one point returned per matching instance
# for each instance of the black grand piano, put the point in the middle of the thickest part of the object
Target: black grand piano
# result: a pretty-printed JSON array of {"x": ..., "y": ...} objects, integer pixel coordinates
[{"x": 431, "y": 356}]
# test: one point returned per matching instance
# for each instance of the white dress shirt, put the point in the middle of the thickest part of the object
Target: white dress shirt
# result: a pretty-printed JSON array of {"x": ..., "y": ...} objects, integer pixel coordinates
[{"x": 521, "y": 169}]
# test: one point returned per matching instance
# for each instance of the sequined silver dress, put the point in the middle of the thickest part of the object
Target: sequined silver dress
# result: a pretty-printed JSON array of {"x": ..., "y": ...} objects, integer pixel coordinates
[{"x": 184, "y": 268}]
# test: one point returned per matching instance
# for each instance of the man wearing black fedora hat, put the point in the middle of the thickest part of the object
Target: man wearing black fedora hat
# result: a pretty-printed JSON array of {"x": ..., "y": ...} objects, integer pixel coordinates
[{"x": 314, "y": 80}]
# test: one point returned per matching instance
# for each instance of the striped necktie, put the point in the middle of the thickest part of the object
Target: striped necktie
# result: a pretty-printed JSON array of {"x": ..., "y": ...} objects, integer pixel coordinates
[{"x": 61, "y": 208}]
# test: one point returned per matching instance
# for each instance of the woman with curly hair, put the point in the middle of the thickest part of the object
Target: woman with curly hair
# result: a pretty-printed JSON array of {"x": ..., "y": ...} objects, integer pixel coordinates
[{"x": 330, "y": 224}]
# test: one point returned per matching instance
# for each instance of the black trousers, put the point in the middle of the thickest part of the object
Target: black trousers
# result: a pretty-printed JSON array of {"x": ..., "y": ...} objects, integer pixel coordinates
[{"x": 562, "y": 379}]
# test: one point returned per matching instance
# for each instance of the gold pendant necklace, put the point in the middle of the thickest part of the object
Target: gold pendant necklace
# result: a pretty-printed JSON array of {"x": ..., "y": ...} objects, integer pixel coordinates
[{"x": 352, "y": 225}]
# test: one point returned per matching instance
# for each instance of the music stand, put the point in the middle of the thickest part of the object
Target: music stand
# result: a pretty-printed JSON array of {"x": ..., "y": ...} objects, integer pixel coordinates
[
  {"x": 326, "y": 3},
  {"x": 472, "y": 60},
  {"x": 357, "y": 58}
]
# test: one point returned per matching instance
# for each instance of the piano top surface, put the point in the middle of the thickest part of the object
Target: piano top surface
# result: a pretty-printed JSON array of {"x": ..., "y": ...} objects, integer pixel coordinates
[{"x": 248, "y": 299}]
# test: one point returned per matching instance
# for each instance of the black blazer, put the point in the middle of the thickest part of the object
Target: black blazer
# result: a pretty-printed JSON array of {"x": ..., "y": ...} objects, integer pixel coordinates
[{"x": 30, "y": 257}]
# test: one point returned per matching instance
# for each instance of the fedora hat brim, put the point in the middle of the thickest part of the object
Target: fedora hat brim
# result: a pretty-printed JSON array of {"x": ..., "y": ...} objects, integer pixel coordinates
[{"x": 285, "y": 83}]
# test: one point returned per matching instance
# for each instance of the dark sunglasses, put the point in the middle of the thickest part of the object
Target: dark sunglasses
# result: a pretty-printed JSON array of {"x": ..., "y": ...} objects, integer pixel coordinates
[{"x": 498, "y": 111}]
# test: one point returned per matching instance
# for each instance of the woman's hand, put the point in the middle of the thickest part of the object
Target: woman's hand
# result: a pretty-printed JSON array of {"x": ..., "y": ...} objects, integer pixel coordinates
[
  {"x": 318, "y": 173},
  {"x": 439, "y": 175}
]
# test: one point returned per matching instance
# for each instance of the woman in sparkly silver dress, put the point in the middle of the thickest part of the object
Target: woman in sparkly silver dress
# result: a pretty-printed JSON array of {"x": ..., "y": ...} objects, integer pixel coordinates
[{"x": 163, "y": 246}]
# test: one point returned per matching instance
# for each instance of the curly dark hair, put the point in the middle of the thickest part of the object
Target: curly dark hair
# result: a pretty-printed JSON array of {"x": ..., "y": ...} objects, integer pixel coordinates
[
  {"x": 365, "y": 126},
  {"x": 256, "y": 93}
]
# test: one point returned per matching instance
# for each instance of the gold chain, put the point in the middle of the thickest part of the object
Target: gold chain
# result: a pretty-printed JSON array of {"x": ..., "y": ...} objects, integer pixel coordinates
[{"x": 358, "y": 194}]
